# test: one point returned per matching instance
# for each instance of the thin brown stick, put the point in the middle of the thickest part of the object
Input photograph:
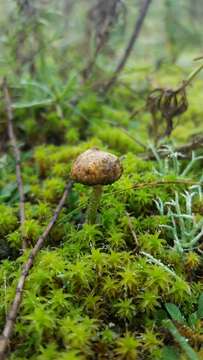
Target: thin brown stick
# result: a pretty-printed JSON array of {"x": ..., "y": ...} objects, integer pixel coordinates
[
  {"x": 190, "y": 78},
  {"x": 136, "y": 140},
  {"x": 102, "y": 40},
  {"x": 135, "y": 112},
  {"x": 11, "y": 318},
  {"x": 130, "y": 225},
  {"x": 195, "y": 143},
  {"x": 138, "y": 25},
  {"x": 16, "y": 153},
  {"x": 155, "y": 184}
]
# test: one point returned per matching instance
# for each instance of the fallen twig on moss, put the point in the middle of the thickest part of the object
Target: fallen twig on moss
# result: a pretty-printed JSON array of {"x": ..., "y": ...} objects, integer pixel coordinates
[
  {"x": 157, "y": 183},
  {"x": 11, "y": 317},
  {"x": 158, "y": 262},
  {"x": 16, "y": 153}
]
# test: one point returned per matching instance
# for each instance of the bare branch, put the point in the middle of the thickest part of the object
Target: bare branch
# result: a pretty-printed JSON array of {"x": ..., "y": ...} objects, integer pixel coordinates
[
  {"x": 156, "y": 184},
  {"x": 107, "y": 11},
  {"x": 16, "y": 153},
  {"x": 195, "y": 143},
  {"x": 11, "y": 318},
  {"x": 138, "y": 25}
]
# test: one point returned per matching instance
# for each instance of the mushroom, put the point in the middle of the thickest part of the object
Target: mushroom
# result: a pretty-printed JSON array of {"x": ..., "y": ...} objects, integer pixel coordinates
[{"x": 96, "y": 168}]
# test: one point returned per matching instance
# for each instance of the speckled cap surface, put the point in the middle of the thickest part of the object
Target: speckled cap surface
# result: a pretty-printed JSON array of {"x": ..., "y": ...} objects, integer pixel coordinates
[{"x": 95, "y": 167}]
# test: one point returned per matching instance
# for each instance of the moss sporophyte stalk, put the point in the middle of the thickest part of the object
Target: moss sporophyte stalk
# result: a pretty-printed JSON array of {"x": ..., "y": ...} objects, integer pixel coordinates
[{"x": 96, "y": 168}]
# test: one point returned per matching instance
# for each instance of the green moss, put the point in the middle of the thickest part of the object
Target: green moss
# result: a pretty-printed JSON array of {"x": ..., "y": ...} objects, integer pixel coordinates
[
  {"x": 116, "y": 139},
  {"x": 96, "y": 289},
  {"x": 8, "y": 219}
]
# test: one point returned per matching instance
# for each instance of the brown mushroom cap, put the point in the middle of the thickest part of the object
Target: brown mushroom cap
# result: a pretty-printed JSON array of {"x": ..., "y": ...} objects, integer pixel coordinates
[{"x": 95, "y": 167}]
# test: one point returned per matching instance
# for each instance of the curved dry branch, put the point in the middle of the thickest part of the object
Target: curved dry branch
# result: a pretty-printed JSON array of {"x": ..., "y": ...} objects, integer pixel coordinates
[
  {"x": 109, "y": 13},
  {"x": 11, "y": 318}
]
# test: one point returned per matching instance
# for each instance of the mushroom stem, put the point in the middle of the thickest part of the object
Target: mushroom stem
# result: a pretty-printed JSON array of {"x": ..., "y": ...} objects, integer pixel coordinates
[{"x": 94, "y": 204}]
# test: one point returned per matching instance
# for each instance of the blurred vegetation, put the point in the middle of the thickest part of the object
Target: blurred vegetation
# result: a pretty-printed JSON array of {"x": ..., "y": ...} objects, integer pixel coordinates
[{"x": 130, "y": 286}]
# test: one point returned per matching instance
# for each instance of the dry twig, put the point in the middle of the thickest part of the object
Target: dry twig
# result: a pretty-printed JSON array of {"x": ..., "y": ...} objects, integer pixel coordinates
[
  {"x": 195, "y": 144},
  {"x": 16, "y": 153},
  {"x": 138, "y": 25},
  {"x": 156, "y": 184},
  {"x": 11, "y": 318},
  {"x": 104, "y": 14},
  {"x": 130, "y": 225}
]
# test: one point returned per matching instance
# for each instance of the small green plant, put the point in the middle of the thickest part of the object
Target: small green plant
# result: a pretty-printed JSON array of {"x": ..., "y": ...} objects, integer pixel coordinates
[
  {"x": 185, "y": 227},
  {"x": 192, "y": 319},
  {"x": 78, "y": 333},
  {"x": 127, "y": 347},
  {"x": 170, "y": 163},
  {"x": 186, "y": 329},
  {"x": 125, "y": 309},
  {"x": 181, "y": 340}
]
